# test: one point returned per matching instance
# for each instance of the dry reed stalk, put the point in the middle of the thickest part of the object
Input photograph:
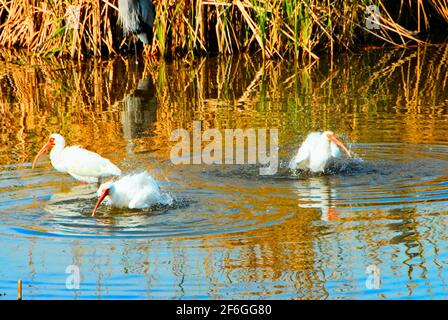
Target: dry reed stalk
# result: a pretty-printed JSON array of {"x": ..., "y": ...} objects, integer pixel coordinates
[
  {"x": 276, "y": 28},
  {"x": 442, "y": 7}
]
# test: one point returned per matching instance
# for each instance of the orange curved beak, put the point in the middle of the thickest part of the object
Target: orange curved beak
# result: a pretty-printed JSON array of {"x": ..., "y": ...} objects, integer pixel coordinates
[
  {"x": 339, "y": 143},
  {"x": 47, "y": 146},
  {"x": 100, "y": 199}
]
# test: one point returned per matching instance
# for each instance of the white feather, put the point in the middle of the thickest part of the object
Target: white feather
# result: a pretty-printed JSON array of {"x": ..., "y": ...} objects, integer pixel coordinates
[
  {"x": 80, "y": 163},
  {"x": 315, "y": 152},
  {"x": 302, "y": 157},
  {"x": 136, "y": 191}
]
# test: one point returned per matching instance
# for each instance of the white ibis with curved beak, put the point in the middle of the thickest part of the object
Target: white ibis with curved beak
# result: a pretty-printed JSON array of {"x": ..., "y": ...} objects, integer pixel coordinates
[
  {"x": 136, "y": 191},
  {"x": 315, "y": 152},
  {"x": 80, "y": 163}
]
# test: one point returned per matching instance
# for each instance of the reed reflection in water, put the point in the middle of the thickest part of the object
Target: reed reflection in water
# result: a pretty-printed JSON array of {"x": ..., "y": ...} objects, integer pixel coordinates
[{"x": 232, "y": 233}]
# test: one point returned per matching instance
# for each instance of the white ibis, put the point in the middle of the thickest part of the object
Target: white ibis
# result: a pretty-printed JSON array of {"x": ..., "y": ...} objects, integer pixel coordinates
[
  {"x": 136, "y": 191},
  {"x": 81, "y": 164},
  {"x": 315, "y": 152}
]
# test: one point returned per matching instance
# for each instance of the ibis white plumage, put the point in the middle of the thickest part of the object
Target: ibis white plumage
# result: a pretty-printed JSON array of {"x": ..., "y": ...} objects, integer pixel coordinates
[
  {"x": 81, "y": 164},
  {"x": 136, "y": 191},
  {"x": 315, "y": 152}
]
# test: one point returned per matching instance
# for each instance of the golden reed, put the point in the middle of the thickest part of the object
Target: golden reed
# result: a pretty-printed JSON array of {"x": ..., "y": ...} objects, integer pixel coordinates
[{"x": 298, "y": 28}]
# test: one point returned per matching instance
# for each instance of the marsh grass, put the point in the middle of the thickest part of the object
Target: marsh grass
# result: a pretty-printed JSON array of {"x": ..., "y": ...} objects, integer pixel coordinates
[{"x": 275, "y": 28}]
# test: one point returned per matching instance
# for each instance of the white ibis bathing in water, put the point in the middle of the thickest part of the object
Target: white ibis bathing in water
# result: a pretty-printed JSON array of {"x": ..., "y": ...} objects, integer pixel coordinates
[
  {"x": 81, "y": 164},
  {"x": 137, "y": 191},
  {"x": 315, "y": 152}
]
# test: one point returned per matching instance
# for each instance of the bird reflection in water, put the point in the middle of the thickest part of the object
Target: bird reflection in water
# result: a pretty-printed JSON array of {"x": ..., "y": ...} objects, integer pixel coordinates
[
  {"x": 139, "y": 110},
  {"x": 317, "y": 192},
  {"x": 71, "y": 202}
]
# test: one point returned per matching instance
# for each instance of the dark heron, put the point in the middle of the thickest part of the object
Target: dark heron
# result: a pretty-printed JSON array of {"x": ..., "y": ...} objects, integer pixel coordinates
[{"x": 137, "y": 16}]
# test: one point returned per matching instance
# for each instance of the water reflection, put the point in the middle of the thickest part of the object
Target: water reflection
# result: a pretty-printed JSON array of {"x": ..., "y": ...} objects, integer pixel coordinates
[
  {"x": 235, "y": 234},
  {"x": 317, "y": 192},
  {"x": 139, "y": 109},
  {"x": 69, "y": 202}
]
